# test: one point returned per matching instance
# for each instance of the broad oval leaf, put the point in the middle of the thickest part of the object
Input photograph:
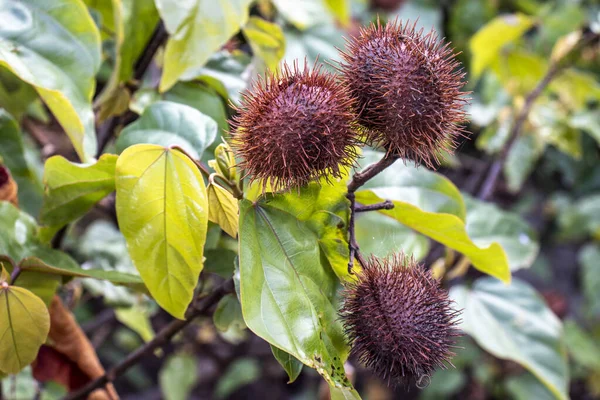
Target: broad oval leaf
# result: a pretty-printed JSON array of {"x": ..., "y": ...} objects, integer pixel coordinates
[
  {"x": 178, "y": 376},
  {"x": 55, "y": 46},
  {"x": 198, "y": 28},
  {"x": 73, "y": 189},
  {"x": 380, "y": 235},
  {"x": 286, "y": 290},
  {"x": 486, "y": 44},
  {"x": 266, "y": 40},
  {"x": 487, "y": 224},
  {"x": 430, "y": 204},
  {"x": 167, "y": 123},
  {"x": 21, "y": 243},
  {"x": 288, "y": 362},
  {"x": 162, "y": 208},
  {"x": 513, "y": 322},
  {"x": 447, "y": 229},
  {"x": 24, "y": 327},
  {"x": 403, "y": 181}
]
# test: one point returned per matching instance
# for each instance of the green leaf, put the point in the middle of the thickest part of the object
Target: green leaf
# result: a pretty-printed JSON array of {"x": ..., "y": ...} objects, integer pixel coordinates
[
  {"x": 13, "y": 154},
  {"x": 324, "y": 208},
  {"x": 266, "y": 40},
  {"x": 133, "y": 22},
  {"x": 55, "y": 46},
  {"x": 228, "y": 314},
  {"x": 583, "y": 348},
  {"x": 286, "y": 290},
  {"x": 380, "y": 235},
  {"x": 15, "y": 95},
  {"x": 162, "y": 208},
  {"x": 521, "y": 160},
  {"x": 526, "y": 387},
  {"x": 340, "y": 9},
  {"x": 447, "y": 229},
  {"x": 73, "y": 189},
  {"x": 103, "y": 247},
  {"x": 170, "y": 124},
  {"x": 197, "y": 30},
  {"x": 224, "y": 72},
  {"x": 512, "y": 322},
  {"x": 21, "y": 243},
  {"x": 305, "y": 14},
  {"x": 487, "y": 224},
  {"x": 519, "y": 71},
  {"x": 581, "y": 218},
  {"x": 240, "y": 373},
  {"x": 223, "y": 209},
  {"x": 430, "y": 204},
  {"x": 24, "y": 327},
  {"x": 319, "y": 42},
  {"x": 425, "y": 189},
  {"x": 342, "y": 394},
  {"x": 486, "y": 44},
  {"x": 590, "y": 276},
  {"x": 203, "y": 98},
  {"x": 137, "y": 319},
  {"x": 290, "y": 364},
  {"x": 178, "y": 376},
  {"x": 220, "y": 262}
]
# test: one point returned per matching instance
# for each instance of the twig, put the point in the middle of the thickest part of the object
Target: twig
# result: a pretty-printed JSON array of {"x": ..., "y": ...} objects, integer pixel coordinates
[
  {"x": 386, "y": 205},
  {"x": 15, "y": 274},
  {"x": 494, "y": 171},
  {"x": 359, "y": 179},
  {"x": 159, "y": 340},
  {"x": 556, "y": 67}
]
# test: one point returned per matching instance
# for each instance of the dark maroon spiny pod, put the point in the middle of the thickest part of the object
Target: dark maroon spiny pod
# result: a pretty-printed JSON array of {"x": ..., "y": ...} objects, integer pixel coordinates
[
  {"x": 408, "y": 90},
  {"x": 399, "y": 320},
  {"x": 295, "y": 127}
]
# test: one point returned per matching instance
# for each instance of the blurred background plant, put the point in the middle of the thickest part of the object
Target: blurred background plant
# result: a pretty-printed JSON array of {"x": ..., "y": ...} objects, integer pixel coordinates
[{"x": 538, "y": 338}]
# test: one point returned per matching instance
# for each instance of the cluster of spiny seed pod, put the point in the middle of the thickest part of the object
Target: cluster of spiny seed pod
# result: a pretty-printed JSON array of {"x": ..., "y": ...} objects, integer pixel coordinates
[
  {"x": 399, "y": 320},
  {"x": 399, "y": 89}
]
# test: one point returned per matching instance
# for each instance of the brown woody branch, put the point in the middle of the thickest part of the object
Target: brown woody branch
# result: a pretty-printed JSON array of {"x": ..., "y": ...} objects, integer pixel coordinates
[
  {"x": 556, "y": 67},
  {"x": 202, "y": 307},
  {"x": 359, "y": 179}
]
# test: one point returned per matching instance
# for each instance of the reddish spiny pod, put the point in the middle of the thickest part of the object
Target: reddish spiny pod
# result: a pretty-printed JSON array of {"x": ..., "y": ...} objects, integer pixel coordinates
[
  {"x": 399, "y": 321},
  {"x": 408, "y": 90},
  {"x": 295, "y": 127}
]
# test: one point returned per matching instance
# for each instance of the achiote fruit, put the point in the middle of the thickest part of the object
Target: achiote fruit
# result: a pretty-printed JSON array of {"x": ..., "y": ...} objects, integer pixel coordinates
[
  {"x": 399, "y": 321},
  {"x": 295, "y": 127},
  {"x": 407, "y": 87}
]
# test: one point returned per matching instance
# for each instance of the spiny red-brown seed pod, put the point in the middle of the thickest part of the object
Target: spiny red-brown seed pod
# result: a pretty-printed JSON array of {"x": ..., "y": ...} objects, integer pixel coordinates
[
  {"x": 399, "y": 320},
  {"x": 408, "y": 90},
  {"x": 295, "y": 127}
]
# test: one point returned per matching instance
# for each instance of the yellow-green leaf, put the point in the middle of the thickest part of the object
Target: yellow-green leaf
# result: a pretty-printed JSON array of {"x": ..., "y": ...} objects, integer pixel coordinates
[
  {"x": 136, "y": 318},
  {"x": 197, "y": 29},
  {"x": 162, "y": 208},
  {"x": 341, "y": 10},
  {"x": 223, "y": 209},
  {"x": 266, "y": 40},
  {"x": 24, "y": 327},
  {"x": 486, "y": 44},
  {"x": 55, "y": 46},
  {"x": 72, "y": 189},
  {"x": 447, "y": 229}
]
